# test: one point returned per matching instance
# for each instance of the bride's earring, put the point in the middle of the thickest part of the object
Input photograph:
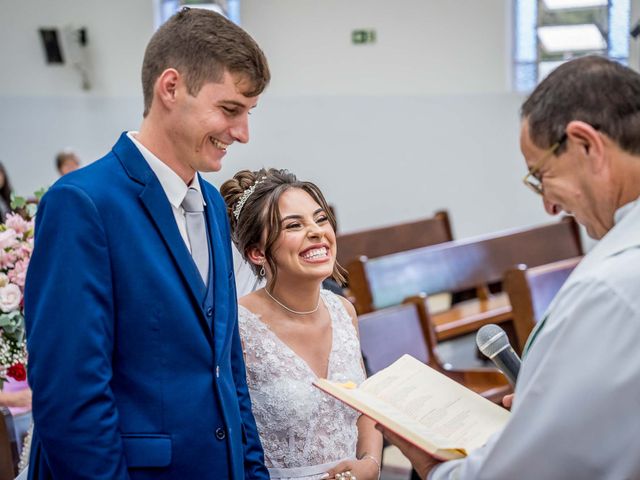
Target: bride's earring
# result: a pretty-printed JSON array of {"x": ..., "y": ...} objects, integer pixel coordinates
[{"x": 262, "y": 272}]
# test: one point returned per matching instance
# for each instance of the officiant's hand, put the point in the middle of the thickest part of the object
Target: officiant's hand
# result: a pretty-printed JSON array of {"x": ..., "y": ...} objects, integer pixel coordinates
[
  {"x": 422, "y": 462},
  {"x": 363, "y": 469}
]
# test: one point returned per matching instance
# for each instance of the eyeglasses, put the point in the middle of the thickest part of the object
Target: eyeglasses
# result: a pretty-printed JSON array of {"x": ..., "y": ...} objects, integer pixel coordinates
[{"x": 533, "y": 179}]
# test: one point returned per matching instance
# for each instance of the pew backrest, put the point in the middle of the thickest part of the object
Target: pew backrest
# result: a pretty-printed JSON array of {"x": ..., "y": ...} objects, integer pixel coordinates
[
  {"x": 458, "y": 265},
  {"x": 8, "y": 446},
  {"x": 377, "y": 242},
  {"x": 531, "y": 290},
  {"x": 386, "y": 335}
]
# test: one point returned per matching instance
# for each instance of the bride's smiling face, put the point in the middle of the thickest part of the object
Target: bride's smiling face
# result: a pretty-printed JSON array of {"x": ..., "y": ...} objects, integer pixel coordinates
[{"x": 306, "y": 246}]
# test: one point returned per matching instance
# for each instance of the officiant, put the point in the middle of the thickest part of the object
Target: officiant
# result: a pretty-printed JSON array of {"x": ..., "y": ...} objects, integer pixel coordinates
[{"x": 574, "y": 413}]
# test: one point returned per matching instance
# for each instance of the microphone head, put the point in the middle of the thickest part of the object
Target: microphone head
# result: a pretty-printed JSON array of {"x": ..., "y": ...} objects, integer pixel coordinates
[{"x": 491, "y": 340}]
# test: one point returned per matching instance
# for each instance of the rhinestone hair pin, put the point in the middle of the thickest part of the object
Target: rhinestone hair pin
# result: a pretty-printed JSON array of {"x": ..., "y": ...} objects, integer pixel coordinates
[{"x": 245, "y": 195}]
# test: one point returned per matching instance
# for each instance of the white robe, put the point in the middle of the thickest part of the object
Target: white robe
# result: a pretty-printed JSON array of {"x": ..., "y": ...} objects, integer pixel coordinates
[{"x": 576, "y": 413}]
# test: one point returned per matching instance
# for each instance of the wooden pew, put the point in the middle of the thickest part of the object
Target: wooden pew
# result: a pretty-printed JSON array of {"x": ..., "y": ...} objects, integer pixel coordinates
[
  {"x": 387, "y": 334},
  {"x": 460, "y": 265},
  {"x": 8, "y": 446},
  {"x": 531, "y": 290},
  {"x": 394, "y": 238}
]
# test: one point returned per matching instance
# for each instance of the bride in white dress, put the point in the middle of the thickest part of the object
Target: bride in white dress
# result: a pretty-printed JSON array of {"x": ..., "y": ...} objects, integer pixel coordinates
[{"x": 294, "y": 332}]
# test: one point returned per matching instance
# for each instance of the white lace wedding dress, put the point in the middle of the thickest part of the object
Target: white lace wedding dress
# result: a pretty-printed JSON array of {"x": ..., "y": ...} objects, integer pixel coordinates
[{"x": 304, "y": 432}]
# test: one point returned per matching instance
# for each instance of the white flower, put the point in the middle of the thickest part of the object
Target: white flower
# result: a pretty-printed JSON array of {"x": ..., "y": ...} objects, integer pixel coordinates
[{"x": 10, "y": 297}]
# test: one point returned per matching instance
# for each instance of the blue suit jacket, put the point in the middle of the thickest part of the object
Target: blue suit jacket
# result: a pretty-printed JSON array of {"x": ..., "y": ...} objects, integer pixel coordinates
[{"x": 129, "y": 378}]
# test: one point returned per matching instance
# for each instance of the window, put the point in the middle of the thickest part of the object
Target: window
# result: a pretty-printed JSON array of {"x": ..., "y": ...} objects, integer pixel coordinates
[
  {"x": 229, "y": 8},
  {"x": 550, "y": 32}
]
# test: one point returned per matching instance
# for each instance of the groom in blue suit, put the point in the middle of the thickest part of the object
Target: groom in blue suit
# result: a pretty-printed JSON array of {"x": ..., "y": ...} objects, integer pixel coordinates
[{"x": 134, "y": 355}]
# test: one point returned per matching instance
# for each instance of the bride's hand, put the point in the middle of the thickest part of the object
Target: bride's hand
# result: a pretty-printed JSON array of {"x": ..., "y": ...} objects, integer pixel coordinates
[{"x": 365, "y": 469}]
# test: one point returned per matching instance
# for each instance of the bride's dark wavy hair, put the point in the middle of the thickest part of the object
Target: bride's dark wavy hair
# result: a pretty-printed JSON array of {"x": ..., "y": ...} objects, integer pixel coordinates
[{"x": 260, "y": 211}]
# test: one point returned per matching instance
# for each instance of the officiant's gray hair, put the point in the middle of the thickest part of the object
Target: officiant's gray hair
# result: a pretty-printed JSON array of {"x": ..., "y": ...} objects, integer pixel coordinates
[{"x": 259, "y": 211}]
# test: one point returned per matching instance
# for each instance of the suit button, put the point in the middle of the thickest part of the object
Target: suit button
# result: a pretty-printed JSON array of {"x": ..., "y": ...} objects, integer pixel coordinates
[
  {"x": 209, "y": 311},
  {"x": 220, "y": 433}
]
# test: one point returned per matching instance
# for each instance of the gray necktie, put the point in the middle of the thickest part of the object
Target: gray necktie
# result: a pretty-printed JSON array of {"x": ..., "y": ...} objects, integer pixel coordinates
[{"x": 196, "y": 231}]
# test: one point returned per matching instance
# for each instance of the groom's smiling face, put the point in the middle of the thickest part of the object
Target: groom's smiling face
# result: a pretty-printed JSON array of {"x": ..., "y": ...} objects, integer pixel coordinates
[{"x": 207, "y": 123}]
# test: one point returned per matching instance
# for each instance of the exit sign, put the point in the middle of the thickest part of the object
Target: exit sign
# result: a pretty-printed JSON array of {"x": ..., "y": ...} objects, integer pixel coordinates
[{"x": 359, "y": 37}]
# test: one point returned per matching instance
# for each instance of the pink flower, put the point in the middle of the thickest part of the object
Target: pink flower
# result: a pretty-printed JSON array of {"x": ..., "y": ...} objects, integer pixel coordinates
[
  {"x": 17, "y": 223},
  {"x": 23, "y": 251},
  {"x": 7, "y": 259},
  {"x": 10, "y": 297},
  {"x": 19, "y": 272},
  {"x": 8, "y": 239}
]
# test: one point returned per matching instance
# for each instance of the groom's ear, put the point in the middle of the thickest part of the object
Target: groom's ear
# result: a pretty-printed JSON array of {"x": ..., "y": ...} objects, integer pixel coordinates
[{"x": 255, "y": 255}]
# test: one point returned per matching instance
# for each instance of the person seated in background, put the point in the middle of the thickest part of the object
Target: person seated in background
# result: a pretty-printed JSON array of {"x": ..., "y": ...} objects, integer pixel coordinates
[
  {"x": 293, "y": 331},
  {"x": 5, "y": 193},
  {"x": 575, "y": 409},
  {"x": 67, "y": 161}
]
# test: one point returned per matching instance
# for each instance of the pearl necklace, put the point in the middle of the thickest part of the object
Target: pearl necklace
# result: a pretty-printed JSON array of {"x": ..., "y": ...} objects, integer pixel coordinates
[{"x": 291, "y": 309}]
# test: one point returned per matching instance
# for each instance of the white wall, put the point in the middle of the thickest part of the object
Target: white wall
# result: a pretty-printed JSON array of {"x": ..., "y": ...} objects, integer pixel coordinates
[
  {"x": 421, "y": 120},
  {"x": 43, "y": 109},
  {"x": 423, "y": 46},
  {"x": 118, "y": 31}
]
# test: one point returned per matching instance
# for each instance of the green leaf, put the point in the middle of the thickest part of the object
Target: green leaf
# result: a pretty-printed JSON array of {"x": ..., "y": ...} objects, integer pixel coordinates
[
  {"x": 17, "y": 202},
  {"x": 40, "y": 193}
]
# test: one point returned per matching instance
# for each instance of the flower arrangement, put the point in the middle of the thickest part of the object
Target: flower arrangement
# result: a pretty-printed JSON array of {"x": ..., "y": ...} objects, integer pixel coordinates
[{"x": 16, "y": 245}]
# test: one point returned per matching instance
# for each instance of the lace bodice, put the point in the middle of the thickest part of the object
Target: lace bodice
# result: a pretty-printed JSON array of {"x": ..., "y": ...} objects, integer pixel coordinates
[{"x": 298, "y": 424}]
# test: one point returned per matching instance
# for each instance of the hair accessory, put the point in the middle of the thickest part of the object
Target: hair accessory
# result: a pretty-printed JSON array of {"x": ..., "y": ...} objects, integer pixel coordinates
[{"x": 245, "y": 195}]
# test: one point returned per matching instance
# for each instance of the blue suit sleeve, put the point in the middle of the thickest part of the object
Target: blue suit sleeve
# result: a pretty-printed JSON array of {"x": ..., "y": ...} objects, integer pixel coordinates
[{"x": 70, "y": 333}]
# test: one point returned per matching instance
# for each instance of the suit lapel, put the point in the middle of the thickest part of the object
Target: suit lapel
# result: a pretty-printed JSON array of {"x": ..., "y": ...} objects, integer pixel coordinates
[
  {"x": 155, "y": 202},
  {"x": 158, "y": 207}
]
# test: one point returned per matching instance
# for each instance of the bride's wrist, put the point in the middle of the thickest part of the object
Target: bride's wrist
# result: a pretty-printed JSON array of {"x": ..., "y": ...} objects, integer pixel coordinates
[{"x": 375, "y": 464}]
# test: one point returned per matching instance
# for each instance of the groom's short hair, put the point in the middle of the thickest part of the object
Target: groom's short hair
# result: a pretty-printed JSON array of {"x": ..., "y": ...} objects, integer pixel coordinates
[{"x": 202, "y": 45}]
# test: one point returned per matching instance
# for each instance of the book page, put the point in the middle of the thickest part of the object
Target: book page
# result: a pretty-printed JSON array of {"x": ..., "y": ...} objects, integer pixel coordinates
[
  {"x": 428, "y": 404},
  {"x": 438, "y": 403}
]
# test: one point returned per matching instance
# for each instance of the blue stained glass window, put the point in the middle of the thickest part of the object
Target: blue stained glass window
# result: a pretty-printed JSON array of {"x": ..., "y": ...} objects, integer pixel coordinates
[
  {"x": 619, "y": 14},
  {"x": 531, "y": 62},
  {"x": 166, "y": 8}
]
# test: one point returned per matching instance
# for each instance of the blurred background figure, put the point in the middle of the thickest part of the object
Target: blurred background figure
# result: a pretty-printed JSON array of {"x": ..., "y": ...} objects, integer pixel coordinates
[
  {"x": 67, "y": 161},
  {"x": 16, "y": 396},
  {"x": 5, "y": 193}
]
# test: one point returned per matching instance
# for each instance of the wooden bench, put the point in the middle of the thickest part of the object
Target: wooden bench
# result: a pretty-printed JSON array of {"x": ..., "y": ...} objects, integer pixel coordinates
[
  {"x": 460, "y": 265},
  {"x": 394, "y": 238},
  {"x": 531, "y": 290},
  {"x": 387, "y": 334},
  {"x": 8, "y": 446}
]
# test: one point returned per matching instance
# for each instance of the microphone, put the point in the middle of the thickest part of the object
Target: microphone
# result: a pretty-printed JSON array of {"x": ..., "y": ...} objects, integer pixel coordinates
[{"x": 494, "y": 344}]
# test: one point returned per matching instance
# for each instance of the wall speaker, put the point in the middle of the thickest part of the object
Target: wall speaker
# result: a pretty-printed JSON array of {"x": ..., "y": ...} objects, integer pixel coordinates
[{"x": 51, "y": 44}]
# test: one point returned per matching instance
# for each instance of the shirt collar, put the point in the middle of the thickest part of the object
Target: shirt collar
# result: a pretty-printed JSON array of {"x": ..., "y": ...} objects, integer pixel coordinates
[
  {"x": 173, "y": 186},
  {"x": 623, "y": 211}
]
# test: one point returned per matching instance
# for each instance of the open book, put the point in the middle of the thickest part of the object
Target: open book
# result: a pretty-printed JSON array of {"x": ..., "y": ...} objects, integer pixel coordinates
[{"x": 424, "y": 407}]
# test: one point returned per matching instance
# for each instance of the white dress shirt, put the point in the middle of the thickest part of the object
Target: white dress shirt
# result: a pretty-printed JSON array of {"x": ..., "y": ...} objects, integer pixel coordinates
[
  {"x": 577, "y": 400},
  {"x": 174, "y": 187}
]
